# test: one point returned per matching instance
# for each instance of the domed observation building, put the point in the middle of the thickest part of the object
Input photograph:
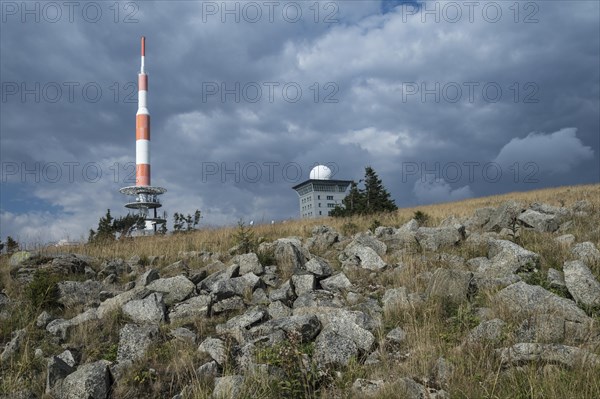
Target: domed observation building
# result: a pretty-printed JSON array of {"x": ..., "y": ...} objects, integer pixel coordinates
[{"x": 320, "y": 194}]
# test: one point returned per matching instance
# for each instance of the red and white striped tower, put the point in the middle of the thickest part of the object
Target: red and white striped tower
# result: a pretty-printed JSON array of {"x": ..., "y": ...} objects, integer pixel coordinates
[
  {"x": 142, "y": 127},
  {"x": 146, "y": 195}
]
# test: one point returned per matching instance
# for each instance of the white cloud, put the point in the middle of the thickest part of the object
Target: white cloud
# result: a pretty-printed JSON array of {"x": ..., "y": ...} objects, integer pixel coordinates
[{"x": 557, "y": 152}]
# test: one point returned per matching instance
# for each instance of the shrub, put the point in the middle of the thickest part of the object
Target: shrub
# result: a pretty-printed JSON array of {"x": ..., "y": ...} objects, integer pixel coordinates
[{"x": 42, "y": 292}]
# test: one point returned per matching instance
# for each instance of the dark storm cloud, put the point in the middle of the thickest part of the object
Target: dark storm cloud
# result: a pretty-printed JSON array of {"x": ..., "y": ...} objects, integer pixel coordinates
[{"x": 385, "y": 84}]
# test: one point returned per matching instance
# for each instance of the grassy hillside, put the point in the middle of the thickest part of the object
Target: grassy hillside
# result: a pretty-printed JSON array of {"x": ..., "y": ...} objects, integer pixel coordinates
[{"x": 435, "y": 329}]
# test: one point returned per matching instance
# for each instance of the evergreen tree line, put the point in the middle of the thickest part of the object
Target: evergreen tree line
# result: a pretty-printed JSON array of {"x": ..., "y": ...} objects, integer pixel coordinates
[
  {"x": 369, "y": 199},
  {"x": 11, "y": 245}
]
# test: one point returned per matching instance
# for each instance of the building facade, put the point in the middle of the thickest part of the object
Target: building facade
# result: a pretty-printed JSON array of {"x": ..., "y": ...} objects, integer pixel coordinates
[{"x": 317, "y": 197}]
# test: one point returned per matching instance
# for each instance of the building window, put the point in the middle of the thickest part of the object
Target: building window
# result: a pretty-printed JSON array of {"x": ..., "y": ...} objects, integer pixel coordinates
[
  {"x": 319, "y": 204},
  {"x": 320, "y": 213},
  {"x": 330, "y": 197},
  {"x": 330, "y": 205},
  {"x": 318, "y": 197}
]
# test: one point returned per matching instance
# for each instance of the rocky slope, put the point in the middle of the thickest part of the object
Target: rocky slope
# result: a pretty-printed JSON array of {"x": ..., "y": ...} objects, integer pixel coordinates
[{"x": 322, "y": 316}]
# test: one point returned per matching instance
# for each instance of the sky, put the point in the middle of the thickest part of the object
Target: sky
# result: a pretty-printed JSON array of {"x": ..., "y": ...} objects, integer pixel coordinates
[{"x": 445, "y": 100}]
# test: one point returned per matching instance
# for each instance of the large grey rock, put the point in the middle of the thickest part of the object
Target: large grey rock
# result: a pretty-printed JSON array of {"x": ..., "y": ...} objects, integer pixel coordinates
[
  {"x": 507, "y": 258},
  {"x": 148, "y": 310},
  {"x": 332, "y": 349},
  {"x": 13, "y": 346},
  {"x": 134, "y": 340},
  {"x": 367, "y": 388},
  {"x": 306, "y": 327},
  {"x": 61, "y": 327},
  {"x": 116, "y": 303},
  {"x": 538, "y": 221},
  {"x": 147, "y": 277},
  {"x": 43, "y": 319},
  {"x": 370, "y": 241},
  {"x": 451, "y": 285},
  {"x": 581, "y": 283},
  {"x": 215, "y": 348},
  {"x": 249, "y": 263},
  {"x": 504, "y": 216},
  {"x": 284, "y": 293},
  {"x": 290, "y": 255},
  {"x": 208, "y": 370},
  {"x": 328, "y": 315},
  {"x": 228, "y": 304},
  {"x": 278, "y": 310},
  {"x": 57, "y": 370},
  {"x": 410, "y": 389},
  {"x": 434, "y": 238},
  {"x": 89, "y": 381},
  {"x": 568, "y": 320},
  {"x": 479, "y": 218},
  {"x": 359, "y": 255},
  {"x": 74, "y": 293},
  {"x": 336, "y": 283},
  {"x": 394, "y": 298},
  {"x": 184, "y": 334},
  {"x": 303, "y": 283},
  {"x": 241, "y": 322},
  {"x": 523, "y": 353},
  {"x": 319, "y": 298},
  {"x": 239, "y": 286},
  {"x": 225, "y": 274},
  {"x": 587, "y": 252},
  {"x": 487, "y": 332},
  {"x": 71, "y": 357},
  {"x": 395, "y": 337},
  {"x": 319, "y": 267},
  {"x": 566, "y": 239},
  {"x": 195, "y": 307},
  {"x": 175, "y": 289},
  {"x": 556, "y": 279},
  {"x": 323, "y": 238},
  {"x": 228, "y": 387}
]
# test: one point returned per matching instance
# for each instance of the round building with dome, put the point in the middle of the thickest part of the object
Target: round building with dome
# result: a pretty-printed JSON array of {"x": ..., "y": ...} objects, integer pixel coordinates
[{"x": 319, "y": 194}]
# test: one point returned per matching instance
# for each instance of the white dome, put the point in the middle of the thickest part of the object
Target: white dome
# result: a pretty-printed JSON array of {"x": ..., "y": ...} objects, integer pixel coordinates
[{"x": 320, "y": 172}]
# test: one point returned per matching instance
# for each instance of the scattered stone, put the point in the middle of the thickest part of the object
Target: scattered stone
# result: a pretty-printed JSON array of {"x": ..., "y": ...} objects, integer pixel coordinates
[
  {"x": 319, "y": 267},
  {"x": 566, "y": 240},
  {"x": 303, "y": 283},
  {"x": 412, "y": 389},
  {"x": 331, "y": 349},
  {"x": 175, "y": 289},
  {"x": 229, "y": 304},
  {"x": 524, "y": 353},
  {"x": 134, "y": 340},
  {"x": 215, "y": 348},
  {"x": 76, "y": 293},
  {"x": 507, "y": 258},
  {"x": 249, "y": 263},
  {"x": 57, "y": 370},
  {"x": 290, "y": 255},
  {"x": 395, "y": 297},
  {"x": 43, "y": 319},
  {"x": 434, "y": 238},
  {"x": 359, "y": 255},
  {"x": 89, "y": 381},
  {"x": 581, "y": 283},
  {"x": 538, "y": 221},
  {"x": 13, "y": 346},
  {"x": 338, "y": 282},
  {"x": 487, "y": 332},
  {"x": 228, "y": 387},
  {"x": 60, "y": 327},
  {"x": 587, "y": 252},
  {"x": 278, "y": 310},
  {"x": 70, "y": 357},
  {"x": 367, "y": 388},
  {"x": 323, "y": 238},
  {"x": 449, "y": 285},
  {"x": 148, "y": 310},
  {"x": 397, "y": 336},
  {"x": 148, "y": 277},
  {"x": 208, "y": 370},
  {"x": 184, "y": 334},
  {"x": 195, "y": 307},
  {"x": 504, "y": 216},
  {"x": 556, "y": 279}
]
